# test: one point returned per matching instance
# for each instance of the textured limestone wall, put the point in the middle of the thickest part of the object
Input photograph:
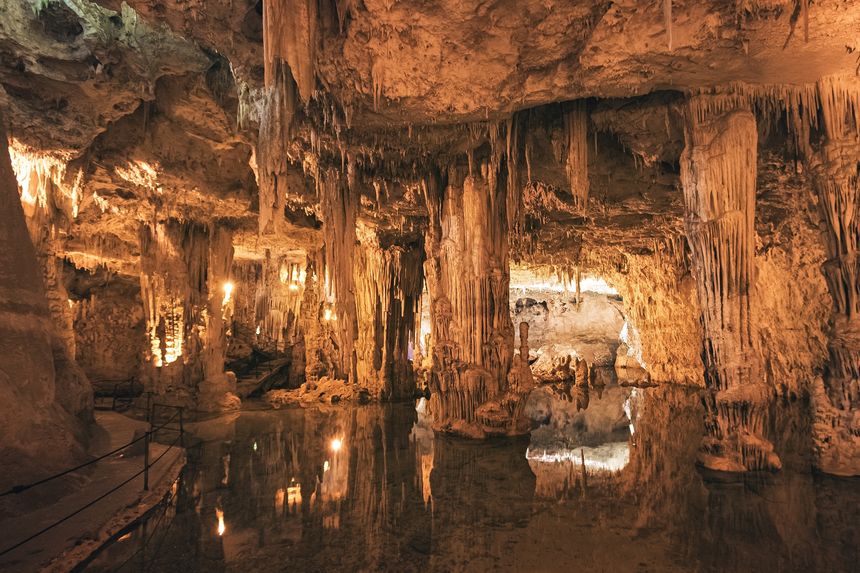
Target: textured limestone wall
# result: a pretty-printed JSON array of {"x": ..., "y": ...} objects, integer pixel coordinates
[
  {"x": 109, "y": 332},
  {"x": 662, "y": 308}
]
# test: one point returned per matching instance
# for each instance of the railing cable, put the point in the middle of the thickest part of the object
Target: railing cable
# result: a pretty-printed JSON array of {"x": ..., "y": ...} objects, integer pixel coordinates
[{"x": 104, "y": 495}]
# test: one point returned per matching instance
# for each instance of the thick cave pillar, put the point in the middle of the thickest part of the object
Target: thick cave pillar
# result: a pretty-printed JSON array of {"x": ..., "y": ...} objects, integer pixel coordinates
[
  {"x": 718, "y": 174},
  {"x": 217, "y": 390},
  {"x": 467, "y": 273},
  {"x": 38, "y": 433},
  {"x": 835, "y": 169},
  {"x": 388, "y": 282},
  {"x": 340, "y": 206}
]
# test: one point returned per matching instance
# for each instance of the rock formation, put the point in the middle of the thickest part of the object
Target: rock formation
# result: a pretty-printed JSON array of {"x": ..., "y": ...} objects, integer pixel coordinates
[{"x": 718, "y": 176}]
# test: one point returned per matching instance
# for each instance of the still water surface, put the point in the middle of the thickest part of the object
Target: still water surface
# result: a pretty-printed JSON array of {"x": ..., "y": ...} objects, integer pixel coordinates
[{"x": 370, "y": 488}]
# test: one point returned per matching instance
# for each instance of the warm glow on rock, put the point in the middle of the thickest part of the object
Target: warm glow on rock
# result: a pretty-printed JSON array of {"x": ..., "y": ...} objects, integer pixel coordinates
[
  {"x": 140, "y": 173},
  {"x": 524, "y": 279},
  {"x": 42, "y": 180}
]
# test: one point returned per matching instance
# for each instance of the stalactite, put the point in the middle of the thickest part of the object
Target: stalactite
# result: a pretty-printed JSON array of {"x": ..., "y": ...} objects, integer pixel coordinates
[
  {"x": 39, "y": 434},
  {"x": 576, "y": 135},
  {"x": 51, "y": 197},
  {"x": 514, "y": 191},
  {"x": 804, "y": 9},
  {"x": 667, "y": 20},
  {"x": 718, "y": 174},
  {"x": 277, "y": 293},
  {"x": 290, "y": 29},
  {"x": 271, "y": 156},
  {"x": 388, "y": 282},
  {"x": 174, "y": 259},
  {"x": 835, "y": 168}
]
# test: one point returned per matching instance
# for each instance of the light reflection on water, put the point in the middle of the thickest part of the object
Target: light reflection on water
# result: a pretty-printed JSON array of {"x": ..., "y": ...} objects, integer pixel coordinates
[{"x": 370, "y": 488}]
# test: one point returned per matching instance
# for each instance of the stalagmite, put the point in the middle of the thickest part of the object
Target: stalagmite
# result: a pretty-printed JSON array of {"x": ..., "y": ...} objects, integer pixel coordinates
[{"x": 718, "y": 174}]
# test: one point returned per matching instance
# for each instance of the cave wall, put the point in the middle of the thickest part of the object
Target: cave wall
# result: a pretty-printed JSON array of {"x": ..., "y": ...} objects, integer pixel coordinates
[
  {"x": 110, "y": 338},
  {"x": 389, "y": 279},
  {"x": 40, "y": 430},
  {"x": 662, "y": 308}
]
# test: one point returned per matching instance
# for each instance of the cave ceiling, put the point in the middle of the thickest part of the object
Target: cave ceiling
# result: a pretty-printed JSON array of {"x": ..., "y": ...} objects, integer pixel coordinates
[{"x": 155, "y": 106}]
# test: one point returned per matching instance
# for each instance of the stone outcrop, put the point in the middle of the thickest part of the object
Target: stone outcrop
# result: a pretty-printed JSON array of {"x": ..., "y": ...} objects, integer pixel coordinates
[{"x": 40, "y": 430}]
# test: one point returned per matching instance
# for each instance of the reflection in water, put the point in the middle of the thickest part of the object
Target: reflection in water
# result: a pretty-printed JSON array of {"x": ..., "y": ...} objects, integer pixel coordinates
[{"x": 610, "y": 487}]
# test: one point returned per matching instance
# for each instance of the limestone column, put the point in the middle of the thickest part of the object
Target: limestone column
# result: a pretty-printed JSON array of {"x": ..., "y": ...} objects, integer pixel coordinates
[
  {"x": 835, "y": 169},
  {"x": 217, "y": 390},
  {"x": 718, "y": 174},
  {"x": 173, "y": 276},
  {"x": 468, "y": 276}
]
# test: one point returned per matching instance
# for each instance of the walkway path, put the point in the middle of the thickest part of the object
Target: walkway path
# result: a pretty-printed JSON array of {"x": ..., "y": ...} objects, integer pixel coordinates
[{"x": 75, "y": 539}]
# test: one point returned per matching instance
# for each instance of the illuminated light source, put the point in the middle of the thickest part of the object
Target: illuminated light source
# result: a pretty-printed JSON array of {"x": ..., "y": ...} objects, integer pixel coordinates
[
  {"x": 221, "y": 527},
  {"x": 325, "y": 466},
  {"x": 258, "y": 330},
  {"x": 336, "y": 444},
  {"x": 255, "y": 446},
  {"x": 327, "y": 314},
  {"x": 294, "y": 287},
  {"x": 228, "y": 292},
  {"x": 294, "y": 494}
]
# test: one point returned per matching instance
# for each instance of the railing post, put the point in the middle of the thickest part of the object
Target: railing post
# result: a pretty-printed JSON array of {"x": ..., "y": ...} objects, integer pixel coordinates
[
  {"x": 181, "y": 429},
  {"x": 146, "y": 442}
]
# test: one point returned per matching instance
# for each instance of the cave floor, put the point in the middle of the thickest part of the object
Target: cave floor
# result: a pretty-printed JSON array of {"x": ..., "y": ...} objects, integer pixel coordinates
[
  {"x": 371, "y": 488},
  {"x": 74, "y": 539}
]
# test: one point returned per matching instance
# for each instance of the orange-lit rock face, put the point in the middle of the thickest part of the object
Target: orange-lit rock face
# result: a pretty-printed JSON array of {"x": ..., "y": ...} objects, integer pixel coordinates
[{"x": 351, "y": 167}]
